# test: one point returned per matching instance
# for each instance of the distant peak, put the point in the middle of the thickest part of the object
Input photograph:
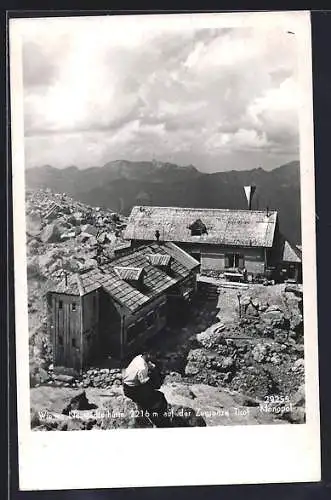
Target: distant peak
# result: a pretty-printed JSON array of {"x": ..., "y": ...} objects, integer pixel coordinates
[{"x": 71, "y": 168}]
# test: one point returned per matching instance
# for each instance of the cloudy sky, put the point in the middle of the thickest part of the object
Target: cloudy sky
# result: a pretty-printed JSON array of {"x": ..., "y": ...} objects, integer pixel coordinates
[{"x": 96, "y": 90}]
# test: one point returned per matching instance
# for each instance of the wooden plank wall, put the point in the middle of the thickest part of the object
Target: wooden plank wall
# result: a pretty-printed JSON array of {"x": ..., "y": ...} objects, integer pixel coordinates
[
  {"x": 214, "y": 259},
  {"x": 90, "y": 326},
  {"x": 148, "y": 332}
]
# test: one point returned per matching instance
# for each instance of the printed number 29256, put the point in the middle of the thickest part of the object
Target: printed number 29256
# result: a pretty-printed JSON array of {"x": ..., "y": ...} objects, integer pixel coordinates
[{"x": 277, "y": 399}]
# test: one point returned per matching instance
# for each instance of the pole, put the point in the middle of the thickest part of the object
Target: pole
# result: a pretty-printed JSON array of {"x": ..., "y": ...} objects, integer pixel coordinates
[{"x": 239, "y": 304}]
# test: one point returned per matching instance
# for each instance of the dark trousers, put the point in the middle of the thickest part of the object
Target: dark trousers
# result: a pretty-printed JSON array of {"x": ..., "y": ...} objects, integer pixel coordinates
[
  {"x": 140, "y": 394},
  {"x": 146, "y": 397}
]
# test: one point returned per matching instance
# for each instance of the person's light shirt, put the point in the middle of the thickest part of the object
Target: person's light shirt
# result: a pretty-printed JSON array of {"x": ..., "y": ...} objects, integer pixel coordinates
[{"x": 137, "y": 372}]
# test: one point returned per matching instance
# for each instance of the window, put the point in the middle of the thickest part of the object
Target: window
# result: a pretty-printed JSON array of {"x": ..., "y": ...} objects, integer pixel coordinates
[
  {"x": 73, "y": 343},
  {"x": 73, "y": 306},
  {"x": 234, "y": 260},
  {"x": 188, "y": 281},
  {"x": 150, "y": 318},
  {"x": 140, "y": 326},
  {"x": 131, "y": 333},
  {"x": 60, "y": 340},
  {"x": 196, "y": 256},
  {"x": 135, "y": 329},
  {"x": 60, "y": 304},
  {"x": 163, "y": 310},
  {"x": 198, "y": 228}
]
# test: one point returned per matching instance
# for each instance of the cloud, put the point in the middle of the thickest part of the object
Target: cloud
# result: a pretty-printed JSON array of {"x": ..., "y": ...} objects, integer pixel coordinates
[{"x": 203, "y": 96}]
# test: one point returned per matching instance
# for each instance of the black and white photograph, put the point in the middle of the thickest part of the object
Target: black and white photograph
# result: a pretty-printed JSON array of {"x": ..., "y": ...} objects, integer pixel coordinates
[{"x": 163, "y": 183}]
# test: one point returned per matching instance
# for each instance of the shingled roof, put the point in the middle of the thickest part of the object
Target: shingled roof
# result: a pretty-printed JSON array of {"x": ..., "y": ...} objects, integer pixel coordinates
[
  {"x": 156, "y": 280},
  {"x": 291, "y": 253},
  {"x": 223, "y": 226}
]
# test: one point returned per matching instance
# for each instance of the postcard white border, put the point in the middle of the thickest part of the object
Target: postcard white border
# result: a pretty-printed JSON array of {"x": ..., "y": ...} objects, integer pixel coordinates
[{"x": 172, "y": 457}]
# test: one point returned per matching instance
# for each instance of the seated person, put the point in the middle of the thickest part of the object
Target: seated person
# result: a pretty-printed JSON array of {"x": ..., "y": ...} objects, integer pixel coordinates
[{"x": 140, "y": 380}]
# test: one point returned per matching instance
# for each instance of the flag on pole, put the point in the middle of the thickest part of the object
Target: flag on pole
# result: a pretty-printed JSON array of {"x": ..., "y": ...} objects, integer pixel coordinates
[{"x": 249, "y": 191}]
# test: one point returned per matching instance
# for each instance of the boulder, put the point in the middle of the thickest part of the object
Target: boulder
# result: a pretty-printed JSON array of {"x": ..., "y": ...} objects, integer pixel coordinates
[
  {"x": 274, "y": 318},
  {"x": 184, "y": 391},
  {"x": 295, "y": 289},
  {"x": 296, "y": 416},
  {"x": 212, "y": 336},
  {"x": 254, "y": 381},
  {"x": 38, "y": 376},
  {"x": 33, "y": 246},
  {"x": 210, "y": 365},
  {"x": 299, "y": 364},
  {"x": 224, "y": 364},
  {"x": 275, "y": 359},
  {"x": 34, "y": 419},
  {"x": 263, "y": 306},
  {"x": 184, "y": 416},
  {"x": 172, "y": 377},
  {"x": 33, "y": 225},
  {"x": 68, "y": 379},
  {"x": 296, "y": 322},
  {"x": 199, "y": 359},
  {"x": 33, "y": 267},
  {"x": 273, "y": 308},
  {"x": 78, "y": 402},
  {"x": 192, "y": 368},
  {"x": 48, "y": 258},
  {"x": 259, "y": 353},
  {"x": 299, "y": 398},
  {"x": 90, "y": 263},
  {"x": 51, "y": 234}
]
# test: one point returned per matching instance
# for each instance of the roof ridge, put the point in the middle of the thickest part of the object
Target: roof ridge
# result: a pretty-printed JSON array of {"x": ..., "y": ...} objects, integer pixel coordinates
[
  {"x": 147, "y": 207},
  {"x": 128, "y": 267},
  {"x": 80, "y": 285}
]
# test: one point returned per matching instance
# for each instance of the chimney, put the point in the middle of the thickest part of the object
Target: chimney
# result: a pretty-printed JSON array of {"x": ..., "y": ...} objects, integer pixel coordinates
[{"x": 249, "y": 192}]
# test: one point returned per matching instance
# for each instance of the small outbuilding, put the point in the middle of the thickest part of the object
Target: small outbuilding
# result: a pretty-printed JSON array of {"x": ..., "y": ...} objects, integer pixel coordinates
[{"x": 290, "y": 261}]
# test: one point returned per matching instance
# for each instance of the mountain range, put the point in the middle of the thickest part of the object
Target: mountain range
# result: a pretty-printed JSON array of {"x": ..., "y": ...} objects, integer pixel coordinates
[{"x": 121, "y": 184}]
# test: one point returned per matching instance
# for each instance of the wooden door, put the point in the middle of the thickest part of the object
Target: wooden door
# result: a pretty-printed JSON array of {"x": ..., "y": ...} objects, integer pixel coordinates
[
  {"x": 67, "y": 332},
  {"x": 292, "y": 272}
]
